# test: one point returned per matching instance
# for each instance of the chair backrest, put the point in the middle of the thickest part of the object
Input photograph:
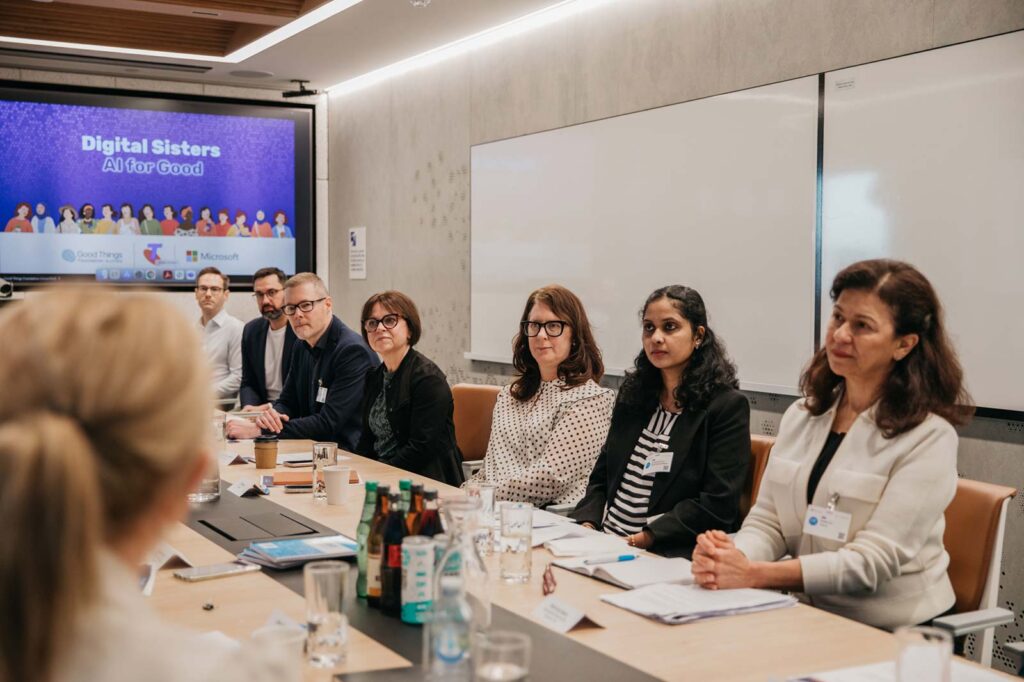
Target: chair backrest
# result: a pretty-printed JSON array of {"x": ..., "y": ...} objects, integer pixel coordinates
[
  {"x": 973, "y": 539},
  {"x": 474, "y": 406},
  {"x": 760, "y": 448}
]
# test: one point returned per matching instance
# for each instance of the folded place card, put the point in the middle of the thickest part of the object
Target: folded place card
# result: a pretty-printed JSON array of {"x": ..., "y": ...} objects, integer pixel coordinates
[
  {"x": 164, "y": 556},
  {"x": 228, "y": 458},
  {"x": 561, "y": 617},
  {"x": 247, "y": 487}
]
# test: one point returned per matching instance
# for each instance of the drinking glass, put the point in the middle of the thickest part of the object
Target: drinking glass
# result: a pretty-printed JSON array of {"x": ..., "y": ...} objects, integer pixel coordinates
[
  {"x": 327, "y": 640},
  {"x": 501, "y": 656},
  {"x": 208, "y": 489},
  {"x": 284, "y": 647},
  {"x": 925, "y": 654},
  {"x": 324, "y": 455},
  {"x": 485, "y": 531},
  {"x": 516, "y": 541}
]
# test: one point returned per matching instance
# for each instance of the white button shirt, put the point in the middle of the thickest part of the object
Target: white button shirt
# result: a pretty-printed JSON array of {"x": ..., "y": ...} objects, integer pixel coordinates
[{"x": 222, "y": 341}]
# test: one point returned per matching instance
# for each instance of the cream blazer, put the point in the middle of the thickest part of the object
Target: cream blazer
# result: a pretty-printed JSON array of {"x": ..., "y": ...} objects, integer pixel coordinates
[
  {"x": 891, "y": 570},
  {"x": 120, "y": 639}
]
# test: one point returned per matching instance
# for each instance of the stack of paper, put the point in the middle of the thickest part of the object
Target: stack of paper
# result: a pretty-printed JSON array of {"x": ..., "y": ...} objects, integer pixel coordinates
[
  {"x": 293, "y": 552},
  {"x": 886, "y": 672},
  {"x": 592, "y": 542},
  {"x": 677, "y": 604},
  {"x": 636, "y": 572}
]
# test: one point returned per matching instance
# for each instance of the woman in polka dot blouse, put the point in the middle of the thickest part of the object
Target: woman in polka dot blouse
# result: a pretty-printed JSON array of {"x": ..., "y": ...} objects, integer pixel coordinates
[
  {"x": 678, "y": 450},
  {"x": 549, "y": 424}
]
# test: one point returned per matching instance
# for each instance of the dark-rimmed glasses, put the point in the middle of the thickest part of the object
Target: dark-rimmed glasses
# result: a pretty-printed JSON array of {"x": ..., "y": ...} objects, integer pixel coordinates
[
  {"x": 304, "y": 306},
  {"x": 552, "y": 328},
  {"x": 389, "y": 321}
]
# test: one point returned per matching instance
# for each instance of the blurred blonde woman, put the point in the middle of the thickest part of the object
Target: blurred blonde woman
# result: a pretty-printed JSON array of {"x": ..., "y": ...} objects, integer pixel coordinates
[{"x": 96, "y": 458}]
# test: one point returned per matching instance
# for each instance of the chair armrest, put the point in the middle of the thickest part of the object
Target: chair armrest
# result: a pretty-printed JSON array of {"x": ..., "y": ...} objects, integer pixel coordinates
[
  {"x": 560, "y": 509},
  {"x": 961, "y": 624},
  {"x": 1015, "y": 652}
]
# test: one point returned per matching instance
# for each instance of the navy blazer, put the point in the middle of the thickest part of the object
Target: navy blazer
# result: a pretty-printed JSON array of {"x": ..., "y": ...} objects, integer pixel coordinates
[
  {"x": 702, "y": 489},
  {"x": 338, "y": 363},
  {"x": 254, "y": 371}
]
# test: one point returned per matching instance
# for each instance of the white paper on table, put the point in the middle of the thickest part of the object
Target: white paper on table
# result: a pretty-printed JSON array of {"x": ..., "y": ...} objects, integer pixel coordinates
[
  {"x": 593, "y": 542},
  {"x": 163, "y": 555},
  {"x": 545, "y": 519},
  {"x": 886, "y": 672},
  {"x": 544, "y": 535},
  {"x": 639, "y": 572},
  {"x": 685, "y": 603}
]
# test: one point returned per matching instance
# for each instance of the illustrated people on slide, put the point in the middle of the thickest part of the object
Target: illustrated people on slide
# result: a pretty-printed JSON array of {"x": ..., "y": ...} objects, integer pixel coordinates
[
  {"x": 42, "y": 223},
  {"x": 205, "y": 225},
  {"x": 87, "y": 221},
  {"x": 239, "y": 229},
  {"x": 149, "y": 225},
  {"x": 187, "y": 228},
  {"x": 281, "y": 228},
  {"x": 106, "y": 224},
  {"x": 261, "y": 228},
  {"x": 68, "y": 220},
  {"x": 222, "y": 226},
  {"x": 128, "y": 224},
  {"x": 20, "y": 223},
  {"x": 168, "y": 225}
]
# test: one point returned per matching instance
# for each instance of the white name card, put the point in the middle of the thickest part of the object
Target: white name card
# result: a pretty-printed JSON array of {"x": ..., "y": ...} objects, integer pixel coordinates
[{"x": 555, "y": 614}]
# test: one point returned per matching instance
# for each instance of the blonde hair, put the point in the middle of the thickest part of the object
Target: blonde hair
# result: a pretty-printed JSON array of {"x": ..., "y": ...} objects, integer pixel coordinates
[
  {"x": 307, "y": 278},
  {"x": 106, "y": 401}
]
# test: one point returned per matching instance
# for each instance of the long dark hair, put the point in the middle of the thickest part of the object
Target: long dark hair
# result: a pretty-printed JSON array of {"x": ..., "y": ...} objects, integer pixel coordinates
[
  {"x": 708, "y": 371},
  {"x": 928, "y": 379},
  {"x": 584, "y": 361}
]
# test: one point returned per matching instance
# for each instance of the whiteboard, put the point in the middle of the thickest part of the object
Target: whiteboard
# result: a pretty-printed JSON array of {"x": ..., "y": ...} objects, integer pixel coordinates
[
  {"x": 718, "y": 194},
  {"x": 924, "y": 161}
]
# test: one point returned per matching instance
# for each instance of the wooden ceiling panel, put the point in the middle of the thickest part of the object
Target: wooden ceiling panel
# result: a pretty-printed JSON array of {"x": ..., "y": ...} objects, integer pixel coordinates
[
  {"x": 277, "y": 8},
  {"x": 74, "y": 22}
]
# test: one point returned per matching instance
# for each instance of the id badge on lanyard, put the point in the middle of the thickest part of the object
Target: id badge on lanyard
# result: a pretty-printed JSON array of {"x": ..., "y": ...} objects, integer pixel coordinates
[{"x": 828, "y": 522}]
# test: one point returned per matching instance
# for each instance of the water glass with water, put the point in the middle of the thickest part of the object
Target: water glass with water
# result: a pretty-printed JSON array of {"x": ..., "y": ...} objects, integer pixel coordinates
[
  {"x": 501, "y": 656},
  {"x": 516, "y": 541},
  {"x": 925, "y": 654},
  {"x": 324, "y": 455},
  {"x": 327, "y": 639},
  {"x": 208, "y": 489},
  {"x": 485, "y": 531}
]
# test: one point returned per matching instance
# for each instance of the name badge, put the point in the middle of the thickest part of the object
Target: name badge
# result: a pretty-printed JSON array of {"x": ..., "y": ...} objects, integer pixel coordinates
[
  {"x": 658, "y": 463},
  {"x": 321, "y": 394},
  {"x": 827, "y": 523}
]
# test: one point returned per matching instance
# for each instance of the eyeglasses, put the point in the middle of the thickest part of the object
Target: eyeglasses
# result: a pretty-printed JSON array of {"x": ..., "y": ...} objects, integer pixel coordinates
[
  {"x": 552, "y": 328},
  {"x": 304, "y": 306},
  {"x": 269, "y": 293},
  {"x": 212, "y": 290},
  {"x": 389, "y": 321}
]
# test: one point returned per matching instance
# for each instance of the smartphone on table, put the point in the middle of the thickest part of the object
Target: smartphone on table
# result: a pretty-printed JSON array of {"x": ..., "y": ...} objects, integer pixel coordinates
[{"x": 198, "y": 573}]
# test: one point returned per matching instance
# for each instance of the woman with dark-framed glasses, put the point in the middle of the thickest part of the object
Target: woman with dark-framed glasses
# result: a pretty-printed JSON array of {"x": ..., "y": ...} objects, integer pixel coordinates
[
  {"x": 407, "y": 404},
  {"x": 549, "y": 424}
]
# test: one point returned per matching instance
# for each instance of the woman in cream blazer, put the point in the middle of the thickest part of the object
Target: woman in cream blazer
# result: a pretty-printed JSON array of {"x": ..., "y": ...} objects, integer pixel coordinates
[{"x": 871, "y": 439}]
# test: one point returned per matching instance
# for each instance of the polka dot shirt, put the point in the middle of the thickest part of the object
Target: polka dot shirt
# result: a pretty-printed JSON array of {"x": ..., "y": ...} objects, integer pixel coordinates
[{"x": 543, "y": 450}]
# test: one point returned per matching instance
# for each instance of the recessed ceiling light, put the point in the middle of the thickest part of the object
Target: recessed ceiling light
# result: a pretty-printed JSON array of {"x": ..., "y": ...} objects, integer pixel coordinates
[{"x": 244, "y": 73}]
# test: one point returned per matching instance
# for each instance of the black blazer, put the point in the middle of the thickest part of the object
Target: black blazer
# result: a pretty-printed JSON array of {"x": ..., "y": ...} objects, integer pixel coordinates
[
  {"x": 701, "y": 491},
  {"x": 254, "y": 372},
  {"x": 420, "y": 411}
]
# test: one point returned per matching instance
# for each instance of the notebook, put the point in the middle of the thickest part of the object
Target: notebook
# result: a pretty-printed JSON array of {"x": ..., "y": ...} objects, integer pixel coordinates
[
  {"x": 644, "y": 570},
  {"x": 292, "y": 552},
  {"x": 676, "y": 604},
  {"x": 593, "y": 542}
]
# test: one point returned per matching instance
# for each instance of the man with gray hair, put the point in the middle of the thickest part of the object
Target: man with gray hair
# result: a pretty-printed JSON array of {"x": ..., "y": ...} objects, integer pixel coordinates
[{"x": 323, "y": 392}]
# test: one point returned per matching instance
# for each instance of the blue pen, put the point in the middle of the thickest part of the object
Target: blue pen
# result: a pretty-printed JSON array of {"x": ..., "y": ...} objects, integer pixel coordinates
[{"x": 610, "y": 559}]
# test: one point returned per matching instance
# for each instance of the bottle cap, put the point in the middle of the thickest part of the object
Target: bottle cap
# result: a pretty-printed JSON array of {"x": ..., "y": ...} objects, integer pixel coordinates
[{"x": 371, "y": 486}]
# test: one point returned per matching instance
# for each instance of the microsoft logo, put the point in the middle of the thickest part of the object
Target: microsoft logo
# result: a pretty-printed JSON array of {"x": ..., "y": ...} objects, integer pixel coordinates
[{"x": 192, "y": 256}]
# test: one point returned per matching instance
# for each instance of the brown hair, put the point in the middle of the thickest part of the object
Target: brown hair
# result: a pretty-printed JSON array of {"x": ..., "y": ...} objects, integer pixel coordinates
[
  {"x": 928, "y": 380},
  {"x": 210, "y": 270},
  {"x": 584, "y": 361},
  {"x": 396, "y": 302},
  {"x": 89, "y": 435},
  {"x": 270, "y": 272}
]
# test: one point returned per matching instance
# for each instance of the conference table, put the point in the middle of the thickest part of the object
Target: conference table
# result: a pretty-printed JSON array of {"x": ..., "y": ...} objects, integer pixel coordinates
[{"x": 771, "y": 645}]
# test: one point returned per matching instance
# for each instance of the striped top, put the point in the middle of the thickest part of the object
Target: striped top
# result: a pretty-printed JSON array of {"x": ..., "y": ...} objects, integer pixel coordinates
[{"x": 627, "y": 512}]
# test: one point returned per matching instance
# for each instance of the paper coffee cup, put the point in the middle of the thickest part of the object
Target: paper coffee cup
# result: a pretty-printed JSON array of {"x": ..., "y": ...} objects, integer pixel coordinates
[
  {"x": 266, "y": 454},
  {"x": 336, "y": 482}
]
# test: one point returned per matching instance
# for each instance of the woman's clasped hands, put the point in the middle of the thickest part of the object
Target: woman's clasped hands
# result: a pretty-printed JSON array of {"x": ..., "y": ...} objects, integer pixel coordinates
[{"x": 717, "y": 564}]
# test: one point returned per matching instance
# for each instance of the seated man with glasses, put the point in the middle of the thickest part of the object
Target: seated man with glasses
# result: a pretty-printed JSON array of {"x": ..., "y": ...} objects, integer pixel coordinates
[
  {"x": 323, "y": 391},
  {"x": 221, "y": 334},
  {"x": 266, "y": 343}
]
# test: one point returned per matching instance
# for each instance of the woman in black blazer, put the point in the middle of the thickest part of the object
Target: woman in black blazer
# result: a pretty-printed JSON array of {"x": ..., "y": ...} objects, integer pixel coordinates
[
  {"x": 407, "y": 404},
  {"x": 678, "y": 449}
]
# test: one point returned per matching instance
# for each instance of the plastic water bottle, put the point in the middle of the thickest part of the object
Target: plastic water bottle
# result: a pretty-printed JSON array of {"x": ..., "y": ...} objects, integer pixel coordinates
[{"x": 447, "y": 635}]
